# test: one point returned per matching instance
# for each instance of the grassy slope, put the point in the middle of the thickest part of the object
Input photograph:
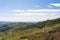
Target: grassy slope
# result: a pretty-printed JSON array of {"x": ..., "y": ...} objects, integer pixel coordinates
[{"x": 16, "y": 34}]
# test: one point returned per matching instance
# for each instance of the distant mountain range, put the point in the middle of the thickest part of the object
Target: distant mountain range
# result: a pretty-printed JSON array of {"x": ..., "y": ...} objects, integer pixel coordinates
[
  {"x": 4, "y": 22},
  {"x": 16, "y": 22}
]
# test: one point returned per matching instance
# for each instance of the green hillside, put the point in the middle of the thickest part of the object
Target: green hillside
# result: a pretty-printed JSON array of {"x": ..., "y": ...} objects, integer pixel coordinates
[{"x": 30, "y": 31}]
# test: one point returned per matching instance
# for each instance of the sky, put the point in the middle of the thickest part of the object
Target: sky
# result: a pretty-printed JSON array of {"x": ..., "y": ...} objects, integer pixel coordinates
[{"x": 29, "y": 10}]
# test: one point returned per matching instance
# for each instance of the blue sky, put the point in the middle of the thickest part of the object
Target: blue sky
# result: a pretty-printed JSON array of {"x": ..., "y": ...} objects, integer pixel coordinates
[{"x": 29, "y": 10}]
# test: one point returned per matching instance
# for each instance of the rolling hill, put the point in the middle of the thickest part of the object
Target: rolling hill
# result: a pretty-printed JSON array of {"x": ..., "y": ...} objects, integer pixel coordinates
[{"x": 45, "y": 30}]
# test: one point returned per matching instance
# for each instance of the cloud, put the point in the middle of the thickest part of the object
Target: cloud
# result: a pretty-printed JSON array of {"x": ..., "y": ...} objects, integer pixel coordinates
[
  {"x": 50, "y": 6},
  {"x": 55, "y": 4},
  {"x": 10, "y": 19},
  {"x": 31, "y": 15},
  {"x": 37, "y": 11},
  {"x": 36, "y": 15}
]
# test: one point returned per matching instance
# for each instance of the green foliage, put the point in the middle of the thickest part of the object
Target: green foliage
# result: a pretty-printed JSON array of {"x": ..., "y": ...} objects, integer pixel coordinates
[{"x": 16, "y": 30}]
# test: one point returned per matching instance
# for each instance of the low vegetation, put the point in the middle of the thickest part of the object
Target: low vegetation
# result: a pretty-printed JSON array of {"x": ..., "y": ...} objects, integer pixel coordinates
[{"x": 46, "y": 30}]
